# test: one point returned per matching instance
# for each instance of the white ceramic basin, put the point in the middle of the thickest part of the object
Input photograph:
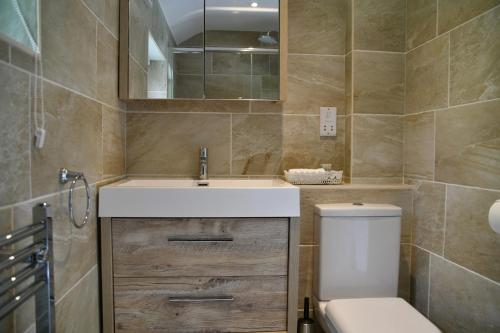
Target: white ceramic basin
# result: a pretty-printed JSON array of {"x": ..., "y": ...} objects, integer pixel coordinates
[{"x": 192, "y": 198}]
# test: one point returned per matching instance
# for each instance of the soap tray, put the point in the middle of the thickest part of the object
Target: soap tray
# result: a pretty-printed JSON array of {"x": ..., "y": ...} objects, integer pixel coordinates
[{"x": 314, "y": 178}]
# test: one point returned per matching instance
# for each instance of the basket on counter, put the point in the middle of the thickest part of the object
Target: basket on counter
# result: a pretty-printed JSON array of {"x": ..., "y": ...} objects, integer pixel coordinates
[{"x": 314, "y": 177}]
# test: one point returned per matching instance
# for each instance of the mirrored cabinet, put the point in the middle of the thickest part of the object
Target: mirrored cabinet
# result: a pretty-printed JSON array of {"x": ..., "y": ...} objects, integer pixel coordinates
[{"x": 203, "y": 49}]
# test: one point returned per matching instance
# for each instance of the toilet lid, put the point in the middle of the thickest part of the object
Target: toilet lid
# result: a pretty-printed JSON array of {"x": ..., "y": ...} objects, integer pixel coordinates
[{"x": 377, "y": 315}]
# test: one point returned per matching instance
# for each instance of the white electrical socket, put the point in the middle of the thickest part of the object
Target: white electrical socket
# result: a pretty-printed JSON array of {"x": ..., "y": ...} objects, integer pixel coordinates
[{"x": 327, "y": 121}]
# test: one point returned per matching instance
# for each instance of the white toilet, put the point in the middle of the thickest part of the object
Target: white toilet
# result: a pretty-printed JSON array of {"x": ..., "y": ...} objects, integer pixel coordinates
[{"x": 356, "y": 267}]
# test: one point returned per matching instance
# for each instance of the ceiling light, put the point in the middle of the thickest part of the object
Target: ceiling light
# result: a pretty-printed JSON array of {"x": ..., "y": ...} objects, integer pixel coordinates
[{"x": 254, "y": 4}]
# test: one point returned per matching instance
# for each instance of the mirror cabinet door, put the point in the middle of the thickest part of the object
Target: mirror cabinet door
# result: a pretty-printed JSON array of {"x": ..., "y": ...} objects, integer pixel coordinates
[{"x": 200, "y": 49}]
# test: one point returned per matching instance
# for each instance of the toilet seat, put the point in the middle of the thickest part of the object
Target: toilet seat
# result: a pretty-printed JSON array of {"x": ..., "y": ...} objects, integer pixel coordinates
[{"x": 374, "y": 315}]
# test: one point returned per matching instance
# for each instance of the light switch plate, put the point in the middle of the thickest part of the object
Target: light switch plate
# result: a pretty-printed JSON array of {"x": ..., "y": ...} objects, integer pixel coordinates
[{"x": 327, "y": 121}]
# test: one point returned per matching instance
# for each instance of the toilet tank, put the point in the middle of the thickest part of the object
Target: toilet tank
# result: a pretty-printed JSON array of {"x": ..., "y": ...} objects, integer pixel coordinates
[{"x": 357, "y": 250}]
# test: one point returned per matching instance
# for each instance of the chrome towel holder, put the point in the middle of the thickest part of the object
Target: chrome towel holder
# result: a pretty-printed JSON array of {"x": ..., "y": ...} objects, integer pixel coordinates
[{"x": 65, "y": 176}]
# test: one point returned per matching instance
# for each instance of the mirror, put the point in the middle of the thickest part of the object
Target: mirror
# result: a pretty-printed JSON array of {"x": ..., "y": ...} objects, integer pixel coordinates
[
  {"x": 201, "y": 49},
  {"x": 19, "y": 24}
]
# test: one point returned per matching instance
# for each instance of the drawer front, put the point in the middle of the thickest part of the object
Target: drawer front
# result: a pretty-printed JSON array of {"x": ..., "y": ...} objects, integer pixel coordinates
[
  {"x": 203, "y": 304},
  {"x": 200, "y": 247}
]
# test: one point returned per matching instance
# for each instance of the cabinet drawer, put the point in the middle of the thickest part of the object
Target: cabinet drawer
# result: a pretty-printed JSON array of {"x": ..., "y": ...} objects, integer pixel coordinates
[
  {"x": 200, "y": 247},
  {"x": 203, "y": 304}
]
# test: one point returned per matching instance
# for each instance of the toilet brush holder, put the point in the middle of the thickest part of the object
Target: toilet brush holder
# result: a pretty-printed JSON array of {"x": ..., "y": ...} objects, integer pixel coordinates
[{"x": 306, "y": 324}]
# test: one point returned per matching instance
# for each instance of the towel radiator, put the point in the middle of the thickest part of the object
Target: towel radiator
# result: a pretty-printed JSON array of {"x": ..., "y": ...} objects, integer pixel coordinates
[{"x": 27, "y": 269}]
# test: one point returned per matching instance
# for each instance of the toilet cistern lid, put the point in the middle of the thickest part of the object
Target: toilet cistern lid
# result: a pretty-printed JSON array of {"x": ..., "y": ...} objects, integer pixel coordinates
[{"x": 357, "y": 209}]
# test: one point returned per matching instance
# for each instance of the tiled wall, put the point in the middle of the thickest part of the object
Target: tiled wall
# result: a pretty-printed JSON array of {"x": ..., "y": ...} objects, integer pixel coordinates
[
  {"x": 254, "y": 138},
  {"x": 452, "y": 154},
  {"x": 85, "y": 131},
  {"x": 375, "y": 90}
]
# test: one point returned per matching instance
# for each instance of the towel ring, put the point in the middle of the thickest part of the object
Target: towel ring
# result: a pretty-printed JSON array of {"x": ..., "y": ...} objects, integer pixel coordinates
[{"x": 65, "y": 176}]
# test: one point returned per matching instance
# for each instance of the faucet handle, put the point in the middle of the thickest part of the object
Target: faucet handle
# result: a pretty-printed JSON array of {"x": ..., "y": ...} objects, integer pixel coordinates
[{"x": 203, "y": 152}]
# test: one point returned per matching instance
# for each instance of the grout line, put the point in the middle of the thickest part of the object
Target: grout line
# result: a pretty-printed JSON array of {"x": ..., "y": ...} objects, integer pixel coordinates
[
  {"x": 231, "y": 144},
  {"x": 437, "y": 19},
  {"x": 445, "y": 217},
  {"x": 434, "y": 122},
  {"x": 316, "y": 55},
  {"x": 453, "y": 106},
  {"x": 60, "y": 86},
  {"x": 76, "y": 284},
  {"x": 98, "y": 19},
  {"x": 378, "y": 51},
  {"x": 429, "y": 287},
  {"x": 454, "y": 28},
  {"x": 30, "y": 135},
  {"x": 449, "y": 68},
  {"x": 457, "y": 265},
  {"x": 456, "y": 185}
]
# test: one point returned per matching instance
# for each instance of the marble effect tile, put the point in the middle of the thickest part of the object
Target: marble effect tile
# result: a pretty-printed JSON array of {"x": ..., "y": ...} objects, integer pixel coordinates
[
  {"x": 404, "y": 271},
  {"x": 74, "y": 127},
  {"x": 462, "y": 302},
  {"x": 305, "y": 273},
  {"x": 429, "y": 214},
  {"x": 107, "y": 67},
  {"x": 113, "y": 142},
  {"x": 470, "y": 241},
  {"x": 379, "y": 25},
  {"x": 304, "y": 148},
  {"x": 377, "y": 147},
  {"x": 427, "y": 76},
  {"x": 14, "y": 135},
  {"x": 314, "y": 81},
  {"x": 419, "y": 281},
  {"x": 317, "y": 27},
  {"x": 69, "y": 45},
  {"x": 192, "y": 106},
  {"x": 474, "y": 54},
  {"x": 468, "y": 145},
  {"x": 455, "y": 12},
  {"x": 378, "y": 82},
  {"x": 421, "y": 18},
  {"x": 169, "y": 144},
  {"x": 257, "y": 144},
  {"x": 83, "y": 299},
  {"x": 419, "y": 146}
]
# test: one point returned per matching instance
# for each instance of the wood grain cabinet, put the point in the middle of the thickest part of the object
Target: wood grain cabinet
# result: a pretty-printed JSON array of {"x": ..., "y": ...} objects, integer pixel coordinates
[{"x": 198, "y": 274}]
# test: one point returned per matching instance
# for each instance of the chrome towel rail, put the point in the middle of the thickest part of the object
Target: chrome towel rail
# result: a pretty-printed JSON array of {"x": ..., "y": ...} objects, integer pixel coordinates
[
  {"x": 65, "y": 176},
  {"x": 34, "y": 262}
]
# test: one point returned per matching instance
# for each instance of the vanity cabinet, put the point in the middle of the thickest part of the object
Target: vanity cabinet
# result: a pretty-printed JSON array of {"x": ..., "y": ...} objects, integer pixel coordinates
[{"x": 199, "y": 274}]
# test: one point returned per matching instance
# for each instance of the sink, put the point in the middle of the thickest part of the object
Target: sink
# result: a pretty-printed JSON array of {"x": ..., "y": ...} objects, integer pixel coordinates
[{"x": 193, "y": 198}]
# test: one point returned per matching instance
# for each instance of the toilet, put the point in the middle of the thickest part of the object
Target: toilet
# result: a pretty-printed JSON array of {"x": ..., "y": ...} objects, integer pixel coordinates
[{"x": 356, "y": 268}]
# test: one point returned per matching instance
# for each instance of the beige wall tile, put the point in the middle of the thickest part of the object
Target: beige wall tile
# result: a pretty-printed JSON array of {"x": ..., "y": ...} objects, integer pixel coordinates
[
  {"x": 304, "y": 148},
  {"x": 468, "y": 145},
  {"x": 75, "y": 250},
  {"x": 305, "y": 274},
  {"x": 257, "y": 144},
  {"x": 429, "y": 212},
  {"x": 377, "y": 147},
  {"x": 470, "y": 241},
  {"x": 461, "y": 301},
  {"x": 14, "y": 135},
  {"x": 266, "y": 107},
  {"x": 456, "y": 12},
  {"x": 427, "y": 76},
  {"x": 4, "y": 51},
  {"x": 379, "y": 25},
  {"x": 74, "y": 132},
  {"x": 314, "y": 81},
  {"x": 113, "y": 142},
  {"x": 419, "y": 146},
  {"x": 348, "y": 147},
  {"x": 78, "y": 312},
  {"x": 107, "y": 67},
  {"x": 193, "y": 106},
  {"x": 22, "y": 59},
  {"x": 419, "y": 281},
  {"x": 169, "y": 143},
  {"x": 111, "y": 16},
  {"x": 378, "y": 82},
  {"x": 310, "y": 197},
  {"x": 317, "y": 27},
  {"x": 231, "y": 63},
  {"x": 228, "y": 86},
  {"x": 404, "y": 271},
  {"x": 69, "y": 45},
  {"x": 474, "y": 54},
  {"x": 421, "y": 16},
  {"x": 140, "y": 19}
]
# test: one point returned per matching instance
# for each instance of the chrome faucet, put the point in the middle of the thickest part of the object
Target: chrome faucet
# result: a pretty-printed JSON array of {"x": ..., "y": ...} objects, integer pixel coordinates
[{"x": 203, "y": 163}]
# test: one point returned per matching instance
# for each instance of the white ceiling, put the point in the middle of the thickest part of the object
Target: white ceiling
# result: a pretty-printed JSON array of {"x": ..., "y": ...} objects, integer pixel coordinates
[{"x": 185, "y": 17}]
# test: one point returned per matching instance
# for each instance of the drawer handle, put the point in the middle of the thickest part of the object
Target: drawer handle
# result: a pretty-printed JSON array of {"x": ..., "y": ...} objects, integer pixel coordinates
[
  {"x": 200, "y": 238},
  {"x": 200, "y": 299}
]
